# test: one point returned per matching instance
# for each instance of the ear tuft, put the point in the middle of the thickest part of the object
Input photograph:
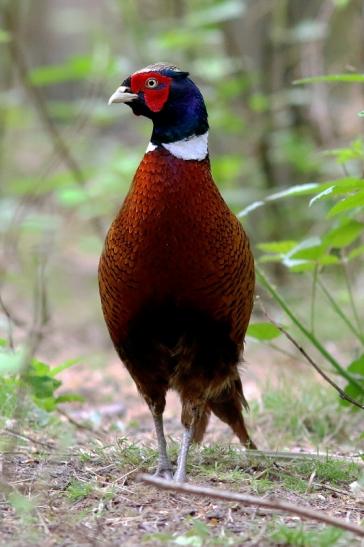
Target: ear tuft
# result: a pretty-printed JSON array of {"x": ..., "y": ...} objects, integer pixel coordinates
[{"x": 178, "y": 75}]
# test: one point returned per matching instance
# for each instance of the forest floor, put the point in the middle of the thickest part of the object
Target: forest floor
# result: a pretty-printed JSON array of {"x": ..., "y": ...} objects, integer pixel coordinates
[{"x": 72, "y": 479}]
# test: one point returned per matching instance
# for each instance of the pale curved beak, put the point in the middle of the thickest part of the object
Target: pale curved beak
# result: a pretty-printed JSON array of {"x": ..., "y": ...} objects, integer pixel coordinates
[{"x": 122, "y": 95}]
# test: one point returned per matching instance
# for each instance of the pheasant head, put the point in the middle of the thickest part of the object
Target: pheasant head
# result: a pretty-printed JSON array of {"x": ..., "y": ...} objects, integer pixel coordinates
[{"x": 167, "y": 96}]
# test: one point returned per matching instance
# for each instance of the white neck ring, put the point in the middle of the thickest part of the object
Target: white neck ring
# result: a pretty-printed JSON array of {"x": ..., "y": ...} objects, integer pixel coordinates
[{"x": 191, "y": 148}]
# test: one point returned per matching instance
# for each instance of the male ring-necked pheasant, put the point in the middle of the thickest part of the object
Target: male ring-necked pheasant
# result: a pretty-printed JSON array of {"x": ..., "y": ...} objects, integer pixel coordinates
[{"x": 177, "y": 274}]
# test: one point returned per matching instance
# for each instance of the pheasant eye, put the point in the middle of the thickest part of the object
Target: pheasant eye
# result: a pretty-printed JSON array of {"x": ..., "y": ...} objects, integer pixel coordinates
[{"x": 151, "y": 83}]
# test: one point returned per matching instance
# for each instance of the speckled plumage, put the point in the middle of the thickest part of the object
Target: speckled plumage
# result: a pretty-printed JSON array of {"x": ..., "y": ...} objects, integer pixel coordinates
[
  {"x": 175, "y": 247},
  {"x": 175, "y": 238}
]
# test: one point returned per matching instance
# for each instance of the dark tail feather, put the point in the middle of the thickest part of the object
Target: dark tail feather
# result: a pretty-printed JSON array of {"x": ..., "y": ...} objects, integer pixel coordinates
[
  {"x": 201, "y": 425},
  {"x": 229, "y": 409}
]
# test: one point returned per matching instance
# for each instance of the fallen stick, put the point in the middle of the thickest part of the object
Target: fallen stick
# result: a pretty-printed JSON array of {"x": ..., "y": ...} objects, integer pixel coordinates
[{"x": 273, "y": 504}]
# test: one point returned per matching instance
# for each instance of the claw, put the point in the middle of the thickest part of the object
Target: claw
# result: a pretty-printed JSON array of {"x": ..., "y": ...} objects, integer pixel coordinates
[{"x": 164, "y": 472}]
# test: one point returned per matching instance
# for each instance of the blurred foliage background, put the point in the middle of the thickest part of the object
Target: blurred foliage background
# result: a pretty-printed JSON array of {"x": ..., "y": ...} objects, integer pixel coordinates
[{"x": 67, "y": 159}]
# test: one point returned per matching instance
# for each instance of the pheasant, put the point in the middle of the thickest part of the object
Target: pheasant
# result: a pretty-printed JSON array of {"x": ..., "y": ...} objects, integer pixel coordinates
[{"x": 176, "y": 274}]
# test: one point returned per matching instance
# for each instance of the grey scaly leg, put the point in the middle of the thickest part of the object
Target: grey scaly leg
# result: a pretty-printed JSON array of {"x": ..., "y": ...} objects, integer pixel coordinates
[
  {"x": 180, "y": 474},
  {"x": 164, "y": 468}
]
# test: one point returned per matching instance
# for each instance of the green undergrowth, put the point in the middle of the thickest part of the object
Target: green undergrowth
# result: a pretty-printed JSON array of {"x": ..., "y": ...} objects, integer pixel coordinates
[
  {"x": 199, "y": 534},
  {"x": 301, "y": 536},
  {"x": 29, "y": 387},
  {"x": 94, "y": 476},
  {"x": 258, "y": 471},
  {"x": 305, "y": 413}
]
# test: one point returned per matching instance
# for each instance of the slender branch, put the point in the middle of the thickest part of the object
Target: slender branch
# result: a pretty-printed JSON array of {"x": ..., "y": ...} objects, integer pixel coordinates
[
  {"x": 25, "y": 437},
  {"x": 341, "y": 392},
  {"x": 273, "y": 504},
  {"x": 9, "y": 319},
  {"x": 341, "y": 370},
  {"x": 79, "y": 425},
  {"x": 9, "y": 315}
]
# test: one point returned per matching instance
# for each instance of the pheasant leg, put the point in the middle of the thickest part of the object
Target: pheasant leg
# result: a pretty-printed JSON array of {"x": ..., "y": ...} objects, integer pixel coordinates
[
  {"x": 164, "y": 469},
  {"x": 180, "y": 474}
]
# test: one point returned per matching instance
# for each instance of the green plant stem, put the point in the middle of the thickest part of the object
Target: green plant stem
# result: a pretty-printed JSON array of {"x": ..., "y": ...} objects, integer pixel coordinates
[
  {"x": 313, "y": 298},
  {"x": 350, "y": 292},
  {"x": 340, "y": 313},
  {"x": 279, "y": 299}
]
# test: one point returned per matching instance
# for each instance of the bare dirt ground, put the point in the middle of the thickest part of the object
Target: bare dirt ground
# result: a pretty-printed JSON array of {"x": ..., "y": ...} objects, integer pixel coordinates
[{"x": 74, "y": 482}]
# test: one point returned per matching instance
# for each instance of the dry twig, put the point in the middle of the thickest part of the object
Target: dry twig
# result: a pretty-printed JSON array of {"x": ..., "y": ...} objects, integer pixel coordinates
[
  {"x": 273, "y": 504},
  {"x": 79, "y": 425},
  {"x": 25, "y": 437}
]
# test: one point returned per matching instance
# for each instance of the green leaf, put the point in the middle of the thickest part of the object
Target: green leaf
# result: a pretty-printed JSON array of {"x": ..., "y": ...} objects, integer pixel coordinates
[
  {"x": 343, "y": 78},
  {"x": 38, "y": 368},
  {"x": 76, "y": 68},
  {"x": 299, "y": 189},
  {"x": 346, "y": 204},
  {"x": 10, "y": 362},
  {"x": 72, "y": 196},
  {"x": 46, "y": 403},
  {"x": 308, "y": 252},
  {"x": 42, "y": 387},
  {"x": 221, "y": 11},
  {"x": 348, "y": 188},
  {"x": 341, "y": 4},
  {"x": 358, "y": 251},
  {"x": 344, "y": 235},
  {"x": 5, "y": 36},
  {"x": 357, "y": 366},
  {"x": 269, "y": 258},
  {"x": 309, "y": 264},
  {"x": 186, "y": 38},
  {"x": 70, "y": 398},
  {"x": 227, "y": 167},
  {"x": 263, "y": 331},
  {"x": 259, "y": 103},
  {"x": 305, "y": 244},
  {"x": 277, "y": 246},
  {"x": 325, "y": 193},
  {"x": 337, "y": 187},
  {"x": 64, "y": 366},
  {"x": 328, "y": 260},
  {"x": 299, "y": 266},
  {"x": 352, "y": 152},
  {"x": 355, "y": 393}
]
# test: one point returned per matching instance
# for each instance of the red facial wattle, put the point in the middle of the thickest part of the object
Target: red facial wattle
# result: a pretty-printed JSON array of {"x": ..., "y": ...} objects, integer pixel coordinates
[{"x": 154, "y": 98}]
